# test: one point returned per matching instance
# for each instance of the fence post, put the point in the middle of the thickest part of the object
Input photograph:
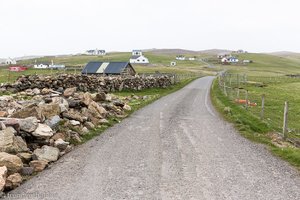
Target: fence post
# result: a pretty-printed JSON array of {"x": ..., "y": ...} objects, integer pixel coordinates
[
  {"x": 230, "y": 79},
  {"x": 285, "y": 120},
  {"x": 262, "y": 107},
  {"x": 225, "y": 92},
  {"x": 246, "y": 99},
  {"x": 238, "y": 80}
]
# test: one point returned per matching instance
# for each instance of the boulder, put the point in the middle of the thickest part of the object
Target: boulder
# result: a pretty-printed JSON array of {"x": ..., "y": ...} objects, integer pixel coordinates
[
  {"x": 3, "y": 114},
  {"x": 10, "y": 143},
  {"x": 87, "y": 98},
  {"x": 25, "y": 157},
  {"x": 73, "y": 115},
  {"x": 12, "y": 123},
  {"x": 47, "y": 153},
  {"x": 61, "y": 144},
  {"x": 84, "y": 131},
  {"x": 36, "y": 91},
  {"x": 27, "y": 171},
  {"x": 63, "y": 136},
  {"x": 13, "y": 181},
  {"x": 12, "y": 162},
  {"x": 70, "y": 91},
  {"x": 29, "y": 111},
  {"x": 63, "y": 103},
  {"x": 127, "y": 107},
  {"x": 38, "y": 165},
  {"x": 50, "y": 110},
  {"x": 43, "y": 131},
  {"x": 2, "y": 126},
  {"x": 95, "y": 107},
  {"x": 28, "y": 124},
  {"x": 53, "y": 121},
  {"x": 101, "y": 96},
  {"x": 89, "y": 125},
  {"x": 74, "y": 122},
  {"x": 3, "y": 174}
]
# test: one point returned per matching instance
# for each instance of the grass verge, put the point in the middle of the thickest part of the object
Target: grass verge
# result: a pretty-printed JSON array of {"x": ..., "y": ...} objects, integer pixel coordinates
[{"x": 251, "y": 127}]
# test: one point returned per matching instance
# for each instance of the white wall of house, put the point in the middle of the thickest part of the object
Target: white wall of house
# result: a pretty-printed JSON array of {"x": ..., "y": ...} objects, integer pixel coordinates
[
  {"x": 137, "y": 53},
  {"x": 139, "y": 60},
  {"x": 192, "y": 58},
  {"x": 180, "y": 58},
  {"x": 10, "y": 61},
  {"x": 41, "y": 66}
]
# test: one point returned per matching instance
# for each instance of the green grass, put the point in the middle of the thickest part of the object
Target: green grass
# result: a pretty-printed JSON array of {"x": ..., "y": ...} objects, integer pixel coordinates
[
  {"x": 158, "y": 63},
  {"x": 251, "y": 127},
  {"x": 265, "y": 65}
]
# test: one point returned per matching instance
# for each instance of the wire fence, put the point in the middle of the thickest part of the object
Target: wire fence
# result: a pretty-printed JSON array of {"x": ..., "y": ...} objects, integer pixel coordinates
[{"x": 271, "y": 99}]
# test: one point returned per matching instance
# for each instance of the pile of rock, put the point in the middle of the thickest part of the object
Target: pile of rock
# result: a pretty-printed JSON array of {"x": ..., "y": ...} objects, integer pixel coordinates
[
  {"x": 89, "y": 83},
  {"x": 39, "y": 130}
]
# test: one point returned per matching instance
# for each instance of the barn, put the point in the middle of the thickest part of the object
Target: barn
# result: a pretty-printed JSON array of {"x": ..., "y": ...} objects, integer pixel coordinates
[
  {"x": 17, "y": 68},
  {"x": 109, "y": 68}
]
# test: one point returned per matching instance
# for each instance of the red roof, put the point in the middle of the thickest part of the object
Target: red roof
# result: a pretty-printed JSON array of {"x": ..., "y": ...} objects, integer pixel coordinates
[{"x": 17, "y": 68}]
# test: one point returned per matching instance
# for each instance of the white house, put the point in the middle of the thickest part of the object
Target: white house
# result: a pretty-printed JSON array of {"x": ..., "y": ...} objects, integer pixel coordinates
[
  {"x": 10, "y": 61},
  {"x": 139, "y": 59},
  {"x": 224, "y": 55},
  {"x": 41, "y": 66},
  {"x": 192, "y": 58},
  {"x": 230, "y": 60},
  {"x": 137, "y": 52},
  {"x": 180, "y": 57},
  {"x": 96, "y": 52},
  {"x": 52, "y": 66}
]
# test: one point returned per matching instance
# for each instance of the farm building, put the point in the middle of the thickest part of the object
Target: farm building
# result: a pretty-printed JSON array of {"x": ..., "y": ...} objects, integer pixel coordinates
[
  {"x": 17, "y": 68},
  {"x": 230, "y": 60},
  {"x": 224, "y": 55},
  {"x": 192, "y": 58},
  {"x": 53, "y": 66},
  {"x": 109, "y": 68},
  {"x": 8, "y": 61},
  {"x": 41, "y": 66},
  {"x": 96, "y": 52},
  {"x": 139, "y": 59},
  {"x": 180, "y": 57},
  {"x": 137, "y": 53}
]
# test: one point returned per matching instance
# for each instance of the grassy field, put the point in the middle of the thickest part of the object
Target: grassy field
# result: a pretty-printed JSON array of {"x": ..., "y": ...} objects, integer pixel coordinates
[
  {"x": 251, "y": 127},
  {"x": 266, "y": 65},
  {"x": 158, "y": 63}
]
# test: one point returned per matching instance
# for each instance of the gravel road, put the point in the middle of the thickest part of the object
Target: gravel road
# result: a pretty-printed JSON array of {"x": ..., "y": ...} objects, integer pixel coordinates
[{"x": 176, "y": 148}]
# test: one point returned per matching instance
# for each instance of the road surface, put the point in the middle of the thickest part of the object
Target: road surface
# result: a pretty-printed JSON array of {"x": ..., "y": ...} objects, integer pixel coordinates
[{"x": 176, "y": 148}]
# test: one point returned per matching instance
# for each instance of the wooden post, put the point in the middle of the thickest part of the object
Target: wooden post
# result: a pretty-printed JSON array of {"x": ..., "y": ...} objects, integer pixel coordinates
[
  {"x": 238, "y": 80},
  {"x": 230, "y": 79},
  {"x": 262, "y": 107},
  {"x": 225, "y": 89},
  {"x": 246, "y": 99},
  {"x": 285, "y": 120},
  {"x": 238, "y": 94}
]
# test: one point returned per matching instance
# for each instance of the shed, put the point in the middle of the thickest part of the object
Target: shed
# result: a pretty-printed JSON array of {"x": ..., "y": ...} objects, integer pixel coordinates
[
  {"x": 109, "y": 68},
  {"x": 17, "y": 68}
]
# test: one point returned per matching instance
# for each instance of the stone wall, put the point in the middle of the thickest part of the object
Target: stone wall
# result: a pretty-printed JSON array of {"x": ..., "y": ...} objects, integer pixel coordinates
[{"x": 88, "y": 83}]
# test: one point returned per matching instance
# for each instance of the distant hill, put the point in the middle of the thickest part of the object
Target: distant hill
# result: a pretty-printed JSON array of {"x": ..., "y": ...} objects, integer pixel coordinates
[
  {"x": 185, "y": 51},
  {"x": 285, "y": 54}
]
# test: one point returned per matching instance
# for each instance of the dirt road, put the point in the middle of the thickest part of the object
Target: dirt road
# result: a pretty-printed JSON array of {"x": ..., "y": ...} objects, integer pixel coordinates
[{"x": 175, "y": 148}]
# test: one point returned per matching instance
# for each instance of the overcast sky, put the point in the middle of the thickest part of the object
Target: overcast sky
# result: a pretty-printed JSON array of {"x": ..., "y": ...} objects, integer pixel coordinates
[{"x": 43, "y": 27}]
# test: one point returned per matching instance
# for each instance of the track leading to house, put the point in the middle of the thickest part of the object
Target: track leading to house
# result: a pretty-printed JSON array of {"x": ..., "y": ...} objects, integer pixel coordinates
[{"x": 175, "y": 148}]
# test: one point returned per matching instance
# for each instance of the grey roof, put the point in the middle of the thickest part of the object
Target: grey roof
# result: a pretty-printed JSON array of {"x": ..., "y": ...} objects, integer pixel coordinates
[
  {"x": 111, "y": 68},
  {"x": 135, "y": 57}
]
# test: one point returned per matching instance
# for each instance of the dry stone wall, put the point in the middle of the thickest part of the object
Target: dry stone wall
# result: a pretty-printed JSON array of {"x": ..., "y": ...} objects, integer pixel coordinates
[{"x": 89, "y": 83}]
